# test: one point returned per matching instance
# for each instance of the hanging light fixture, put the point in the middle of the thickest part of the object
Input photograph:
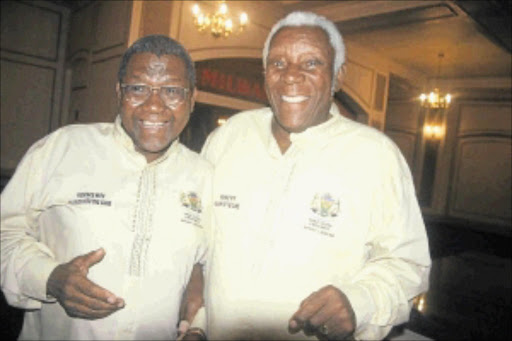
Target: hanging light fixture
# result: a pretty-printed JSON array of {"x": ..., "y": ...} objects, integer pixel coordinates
[
  {"x": 219, "y": 23},
  {"x": 433, "y": 130},
  {"x": 435, "y": 99}
]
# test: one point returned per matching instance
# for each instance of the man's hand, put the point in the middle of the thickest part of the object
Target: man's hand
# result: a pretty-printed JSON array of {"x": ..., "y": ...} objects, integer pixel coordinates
[
  {"x": 326, "y": 313},
  {"x": 194, "y": 335},
  {"x": 79, "y": 296}
]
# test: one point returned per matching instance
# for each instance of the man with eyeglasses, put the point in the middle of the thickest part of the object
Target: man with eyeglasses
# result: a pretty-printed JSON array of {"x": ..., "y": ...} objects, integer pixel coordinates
[{"x": 102, "y": 225}]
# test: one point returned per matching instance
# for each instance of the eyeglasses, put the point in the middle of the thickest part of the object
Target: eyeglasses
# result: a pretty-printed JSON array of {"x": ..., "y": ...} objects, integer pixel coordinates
[{"x": 139, "y": 93}]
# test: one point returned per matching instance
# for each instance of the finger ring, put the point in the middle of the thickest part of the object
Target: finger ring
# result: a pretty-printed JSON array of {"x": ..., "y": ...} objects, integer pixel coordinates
[{"x": 323, "y": 330}]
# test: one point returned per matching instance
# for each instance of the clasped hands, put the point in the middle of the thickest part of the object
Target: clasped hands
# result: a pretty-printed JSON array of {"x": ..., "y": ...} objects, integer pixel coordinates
[{"x": 79, "y": 296}]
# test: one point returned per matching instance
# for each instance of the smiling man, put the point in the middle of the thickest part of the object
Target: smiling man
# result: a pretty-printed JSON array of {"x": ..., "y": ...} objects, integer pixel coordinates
[
  {"x": 318, "y": 233},
  {"x": 102, "y": 224}
]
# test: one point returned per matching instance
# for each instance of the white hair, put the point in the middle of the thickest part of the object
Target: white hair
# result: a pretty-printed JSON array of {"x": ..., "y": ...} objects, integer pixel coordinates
[{"x": 299, "y": 18}]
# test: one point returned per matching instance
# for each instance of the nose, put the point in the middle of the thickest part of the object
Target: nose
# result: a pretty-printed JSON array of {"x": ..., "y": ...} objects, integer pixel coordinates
[
  {"x": 293, "y": 74},
  {"x": 154, "y": 101}
]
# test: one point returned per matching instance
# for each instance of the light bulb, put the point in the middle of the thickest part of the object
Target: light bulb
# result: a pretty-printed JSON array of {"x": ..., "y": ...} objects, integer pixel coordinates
[
  {"x": 431, "y": 97},
  {"x": 196, "y": 10},
  {"x": 200, "y": 19},
  {"x": 228, "y": 25},
  {"x": 223, "y": 9},
  {"x": 243, "y": 18}
]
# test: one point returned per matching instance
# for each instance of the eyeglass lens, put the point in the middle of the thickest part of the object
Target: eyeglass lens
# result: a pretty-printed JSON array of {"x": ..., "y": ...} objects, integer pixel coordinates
[{"x": 138, "y": 94}]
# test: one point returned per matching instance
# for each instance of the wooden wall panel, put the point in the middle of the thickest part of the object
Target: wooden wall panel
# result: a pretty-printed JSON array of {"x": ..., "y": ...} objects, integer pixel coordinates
[
  {"x": 80, "y": 70},
  {"x": 30, "y": 30},
  {"x": 81, "y": 33},
  {"x": 482, "y": 170},
  {"x": 79, "y": 106},
  {"x": 103, "y": 81},
  {"x": 485, "y": 119},
  {"x": 406, "y": 143},
  {"x": 97, "y": 46},
  {"x": 26, "y": 108},
  {"x": 403, "y": 116},
  {"x": 33, "y": 40},
  {"x": 155, "y": 17},
  {"x": 380, "y": 97},
  {"x": 403, "y": 119},
  {"x": 359, "y": 79},
  {"x": 482, "y": 179},
  {"x": 112, "y": 25}
]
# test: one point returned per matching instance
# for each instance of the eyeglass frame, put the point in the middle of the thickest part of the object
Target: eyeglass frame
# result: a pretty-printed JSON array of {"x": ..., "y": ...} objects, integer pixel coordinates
[{"x": 159, "y": 88}]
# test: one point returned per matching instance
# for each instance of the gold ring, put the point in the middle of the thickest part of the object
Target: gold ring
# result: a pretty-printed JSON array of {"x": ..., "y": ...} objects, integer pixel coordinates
[{"x": 323, "y": 330}]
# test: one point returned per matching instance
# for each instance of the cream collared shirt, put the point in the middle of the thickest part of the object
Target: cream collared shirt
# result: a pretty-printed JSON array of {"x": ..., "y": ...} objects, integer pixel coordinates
[
  {"x": 337, "y": 208},
  {"x": 84, "y": 187}
]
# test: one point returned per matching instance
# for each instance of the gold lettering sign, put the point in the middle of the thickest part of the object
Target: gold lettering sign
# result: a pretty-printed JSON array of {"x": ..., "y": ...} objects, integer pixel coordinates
[{"x": 211, "y": 77}]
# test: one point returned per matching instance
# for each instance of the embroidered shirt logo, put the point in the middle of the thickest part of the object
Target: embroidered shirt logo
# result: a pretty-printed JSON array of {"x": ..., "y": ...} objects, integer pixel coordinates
[
  {"x": 325, "y": 205},
  {"x": 90, "y": 198},
  {"x": 192, "y": 201},
  {"x": 325, "y": 209}
]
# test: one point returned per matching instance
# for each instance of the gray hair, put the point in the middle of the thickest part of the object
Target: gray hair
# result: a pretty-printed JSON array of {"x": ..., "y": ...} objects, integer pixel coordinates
[
  {"x": 159, "y": 45},
  {"x": 298, "y": 18}
]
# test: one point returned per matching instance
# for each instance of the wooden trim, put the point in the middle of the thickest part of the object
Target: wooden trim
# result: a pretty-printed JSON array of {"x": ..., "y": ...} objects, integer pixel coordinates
[{"x": 134, "y": 30}]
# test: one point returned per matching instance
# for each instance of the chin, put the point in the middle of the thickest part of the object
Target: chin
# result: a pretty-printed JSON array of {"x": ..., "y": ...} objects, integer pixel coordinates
[
  {"x": 156, "y": 148},
  {"x": 294, "y": 127}
]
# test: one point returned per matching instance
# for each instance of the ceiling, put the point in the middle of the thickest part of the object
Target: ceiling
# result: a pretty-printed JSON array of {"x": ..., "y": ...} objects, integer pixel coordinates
[{"x": 474, "y": 36}]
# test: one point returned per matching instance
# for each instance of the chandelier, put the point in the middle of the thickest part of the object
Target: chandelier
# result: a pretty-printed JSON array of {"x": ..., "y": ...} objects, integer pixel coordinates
[
  {"x": 219, "y": 23},
  {"x": 435, "y": 99}
]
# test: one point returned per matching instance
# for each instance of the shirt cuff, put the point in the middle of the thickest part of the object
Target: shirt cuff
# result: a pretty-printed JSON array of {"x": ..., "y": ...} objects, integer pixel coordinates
[
  {"x": 361, "y": 301},
  {"x": 35, "y": 278},
  {"x": 199, "y": 320}
]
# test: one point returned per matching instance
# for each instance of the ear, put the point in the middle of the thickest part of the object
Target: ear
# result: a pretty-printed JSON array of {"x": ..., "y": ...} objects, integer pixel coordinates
[
  {"x": 118, "y": 92},
  {"x": 339, "y": 77},
  {"x": 193, "y": 99}
]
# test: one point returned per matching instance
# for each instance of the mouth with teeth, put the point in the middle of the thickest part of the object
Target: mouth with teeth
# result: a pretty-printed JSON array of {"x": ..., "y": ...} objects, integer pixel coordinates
[
  {"x": 154, "y": 125},
  {"x": 293, "y": 99}
]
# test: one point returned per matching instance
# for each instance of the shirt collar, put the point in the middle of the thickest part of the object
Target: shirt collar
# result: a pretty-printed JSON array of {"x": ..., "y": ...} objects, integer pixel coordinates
[
  {"x": 126, "y": 142},
  {"x": 310, "y": 136}
]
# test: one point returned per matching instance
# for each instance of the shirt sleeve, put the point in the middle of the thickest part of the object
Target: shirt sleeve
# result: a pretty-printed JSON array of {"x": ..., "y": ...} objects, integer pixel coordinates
[
  {"x": 210, "y": 146},
  {"x": 206, "y": 217},
  {"x": 398, "y": 264},
  {"x": 26, "y": 263}
]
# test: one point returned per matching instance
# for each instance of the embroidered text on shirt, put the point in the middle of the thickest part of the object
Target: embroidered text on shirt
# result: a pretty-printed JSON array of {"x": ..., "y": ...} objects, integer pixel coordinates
[
  {"x": 90, "y": 198},
  {"x": 228, "y": 201}
]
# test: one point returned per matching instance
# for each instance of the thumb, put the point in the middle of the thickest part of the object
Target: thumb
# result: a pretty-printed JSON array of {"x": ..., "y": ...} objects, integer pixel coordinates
[{"x": 92, "y": 258}]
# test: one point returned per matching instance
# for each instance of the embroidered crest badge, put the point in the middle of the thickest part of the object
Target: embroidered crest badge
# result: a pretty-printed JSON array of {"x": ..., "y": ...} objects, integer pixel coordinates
[
  {"x": 192, "y": 201},
  {"x": 325, "y": 205}
]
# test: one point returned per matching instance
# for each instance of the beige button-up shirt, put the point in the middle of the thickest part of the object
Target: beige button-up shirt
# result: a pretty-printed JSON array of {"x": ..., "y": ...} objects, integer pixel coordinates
[
  {"x": 84, "y": 187},
  {"x": 337, "y": 208}
]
